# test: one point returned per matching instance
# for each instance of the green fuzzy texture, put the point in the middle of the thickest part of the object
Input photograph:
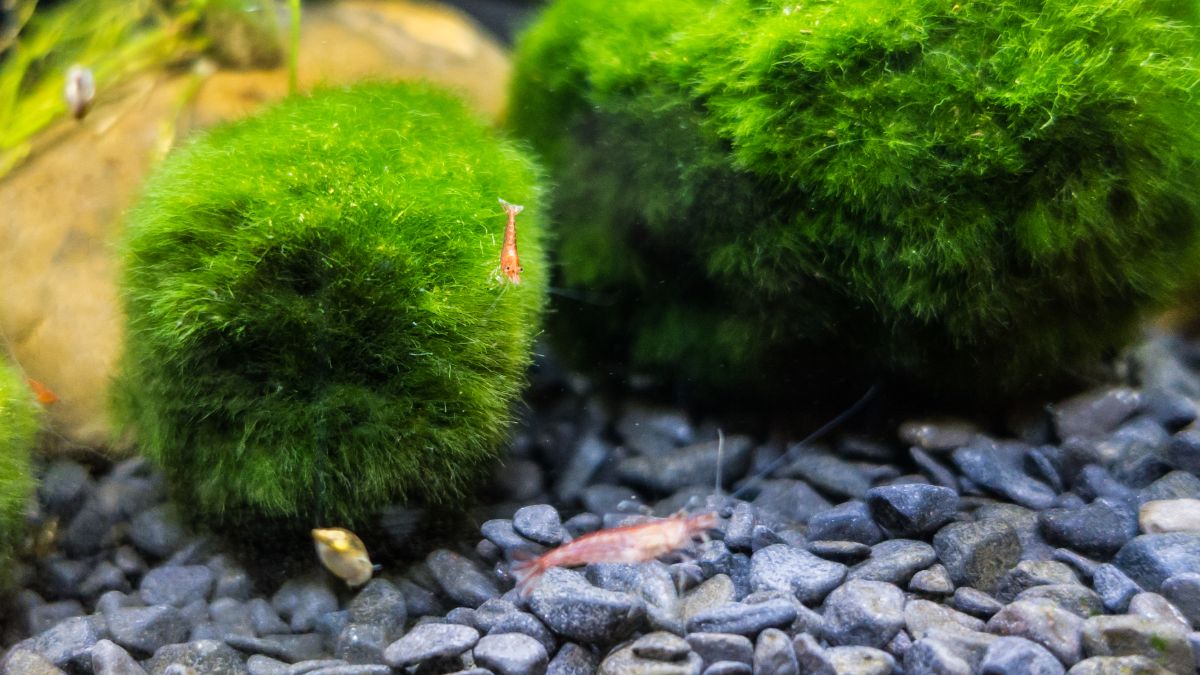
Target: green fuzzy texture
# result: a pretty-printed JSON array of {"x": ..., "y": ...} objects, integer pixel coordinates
[
  {"x": 19, "y": 415},
  {"x": 975, "y": 194},
  {"x": 316, "y": 321}
]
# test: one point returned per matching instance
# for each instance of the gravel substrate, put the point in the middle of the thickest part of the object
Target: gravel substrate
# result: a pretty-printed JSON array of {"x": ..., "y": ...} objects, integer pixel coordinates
[{"x": 1070, "y": 543}]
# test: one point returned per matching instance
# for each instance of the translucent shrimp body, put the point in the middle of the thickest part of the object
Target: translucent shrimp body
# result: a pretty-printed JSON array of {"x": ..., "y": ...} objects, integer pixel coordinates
[{"x": 629, "y": 544}]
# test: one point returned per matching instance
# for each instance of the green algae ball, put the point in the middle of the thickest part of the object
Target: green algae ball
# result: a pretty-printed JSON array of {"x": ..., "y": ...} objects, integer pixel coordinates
[
  {"x": 974, "y": 195},
  {"x": 316, "y": 320},
  {"x": 19, "y": 414}
]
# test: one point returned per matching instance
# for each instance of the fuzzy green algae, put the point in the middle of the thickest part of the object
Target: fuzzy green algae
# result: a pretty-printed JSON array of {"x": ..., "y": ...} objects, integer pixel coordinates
[
  {"x": 980, "y": 196},
  {"x": 19, "y": 414},
  {"x": 316, "y": 323}
]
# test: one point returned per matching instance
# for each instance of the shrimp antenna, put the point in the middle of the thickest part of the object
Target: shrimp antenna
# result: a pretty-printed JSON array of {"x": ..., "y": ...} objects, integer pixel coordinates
[{"x": 821, "y": 431}]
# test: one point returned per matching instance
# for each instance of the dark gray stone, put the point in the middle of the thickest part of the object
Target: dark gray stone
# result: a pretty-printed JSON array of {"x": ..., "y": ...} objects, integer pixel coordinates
[
  {"x": 1183, "y": 590},
  {"x": 301, "y": 601},
  {"x": 792, "y": 569},
  {"x": 714, "y": 647},
  {"x": 1095, "y": 413},
  {"x": 430, "y": 642},
  {"x": 540, "y": 523},
  {"x": 1044, "y": 623},
  {"x": 510, "y": 654},
  {"x": 937, "y": 435},
  {"x": 176, "y": 586},
  {"x": 729, "y": 668},
  {"x": 828, "y": 473},
  {"x": 937, "y": 472},
  {"x": 43, "y": 616},
  {"x": 22, "y": 661},
  {"x": 263, "y": 618},
  {"x": 1164, "y": 642},
  {"x": 63, "y": 487},
  {"x": 62, "y": 577},
  {"x": 603, "y": 498},
  {"x": 1170, "y": 409},
  {"x": 661, "y": 646},
  {"x": 527, "y": 624},
  {"x": 232, "y": 616},
  {"x": 501, "y": 533},
  {"x": 663, "y": 473},
  {"x": 1099, "y": 529},
  {"x": 921, "y": 616},
  {"x": 1095, "y": 481},
  {"x": 1039, "y": 464},
  {"x": 844, "y": 552},
  {"x": 144, "y": 629},
  {"x": 978, "y": 554},
  {"x": 110, "y": 659},
  {"x": 863, "y": 613},
  {"x": 969, "y": 645},
  {"x": 849, "y": 521},
  {"x": 624, "y": 661},
  {"x": 811, "y": 657},
  {"x": 933, "y": 581},
  {"x": 202, "y": 656},
  {"x": 1151, "y": 559},
  {"x": 1118, "y": 665},
  {"x": 573, "y": 659},
  {"x": 773, "y": 654},
  {"x": 998, "y": 468},
  {"x": 1076, "y": 599},
  {"x": 104, "y": 577},
  {"x": 1116, "y": 589},
  {"x": 1183, "y": 450},
  {"x": 912, "y": 510},
  {"x": 87, "y": 531},
  {"x": 740, "y": 527},
  {"x": 654, "y": 431},
  {"x": 1030, "y": 573},
  {"x": 935, "y": 658},
  {"x": 290, "y": 648},
  {"x": 158, "y": 531},
  {"x": 361, "y": 643},
  {"x": 1174, "y": 485},
  {"x": 895, "y": 561},
  {"x": 69, "y": 644},
  {"x": 589, "y": 454},
  {"x": 1010, "y": 655},
  {"x": 792, "y": 500},
  {"x": 460, "y": 578},
  {"x": 576, "y": 610},
  {"x": 1155, "y": 606},
  {"x": 381, "y": 604},
  {"x": 740, "y": 618},
  {"x": 975, "y": 602}
]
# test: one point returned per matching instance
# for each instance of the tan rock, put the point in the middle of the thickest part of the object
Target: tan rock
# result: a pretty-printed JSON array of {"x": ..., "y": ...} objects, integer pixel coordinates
[
  {"x": 1170, "y": 515},
  {"x": 59, "y": 316}
]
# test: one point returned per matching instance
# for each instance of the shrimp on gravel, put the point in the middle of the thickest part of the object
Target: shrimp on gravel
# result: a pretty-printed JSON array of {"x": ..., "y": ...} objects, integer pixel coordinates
[{"x": 642, "y": 542}]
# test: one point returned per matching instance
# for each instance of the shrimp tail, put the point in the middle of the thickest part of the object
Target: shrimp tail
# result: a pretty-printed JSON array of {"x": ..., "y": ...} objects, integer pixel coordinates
[{"x": 511, "y": 209}]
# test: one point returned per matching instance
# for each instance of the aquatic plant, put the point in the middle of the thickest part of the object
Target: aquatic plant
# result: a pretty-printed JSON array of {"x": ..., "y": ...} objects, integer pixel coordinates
[
  {"x": 316, "y": 321},
  {"x": 982, "y": 196},
  {"x": 18, "y": 429}
]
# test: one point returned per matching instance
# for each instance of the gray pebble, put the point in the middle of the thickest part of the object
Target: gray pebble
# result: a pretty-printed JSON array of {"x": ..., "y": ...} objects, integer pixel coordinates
[
  {"x": 912, "y": 510},
  {"x": 202, "y": 656},
  {"x": 361, "y": 643},
  {"x": 661, "y": 646},
  {"x": 740, "y": 527},
  {"x": 1086, "y": 567},
  {"x": 933, "y": 581},
  {"x": 63, "y": 487},
  {"x": 87, "y": 531},
  {"x": 572, "y": 608},
  {"x": 290, "y": 648},
  {"x": 1183, "y": 590},
  {"x": 1151, "y": 559},
  {"x": 573, "y": 659},
  {"x": 381, "y": 604},
  {"x": 110, "y": 659},
  {"x": 934, "y": 657},
  {"x": 792, "y": 569},
  {"x": 1095, "y": 413},
  {"x": 104, "y": 577},
  {"x": 300, "y": 601},
  {"x": 232, "y": 616},
  {"x": 845, "y": 552},
  {"x": 1183, "y": 450},
  {"x": 1056, "y": 629},
  {"x": 23, "y": 661},
  {"x": 1029, "y": 573},
  {"x": 1116, "y": 589},
  {"x": 921, "y": 616},
  {"x": 895, "y": 561},
  {"x": 861, "y": 661},
  {"x": 589, "y": 454},
  {"x": 937, "y": 435},
  {"x": 714, "y": 647},
  {"x": 747, "y": 619},
  {"x": 70, "y": 642},
  {"x": 828, "y": 473},
  {"x": 1010, "y": 655},
  {"x": 540, "y": 523},
  {"x": 624, "y": 661},
  {"x": 1174, "y": 485},
  {"x": 975, "y": 602},
  {"x": 176, "y": 586},
  {"x": 501, "y": 533},
  {"x": 1118, "y": 665},
  {"x": 44, "y": 616},
  {"x": 430, "y": 642},
  {"x": 1099, "y": 529},
  {"x": 1170, "y": 409},
  {"x": 933, "y": 469},
  {"x": 863, "y": 613},
  {"x": 263, "y": 617},
  {"x": 997, "y": 467},
  {"x": 158, "y": 531},
  {"x": 653, "y": 430},
  {"x": 666, "y": 472},
  {"x": 1155, "y": 606},
  {"x": 460, "y": 578},
  {"x": 849, "y": 521},
  {"x": 144, "y": 629},
  {"x": 773, "y": 654},
  {"x": 729, "y": 668},
  {"x": 792, "y": 500},
  {"x": 969, "y": 645},
  {"x": 1165, "y": 642},
  {"x": 1076, "y": 599},
  {"x": 359, "y": 669},
  {"x": 978, "y": 554},
  {"x": 811, "y": 657}
]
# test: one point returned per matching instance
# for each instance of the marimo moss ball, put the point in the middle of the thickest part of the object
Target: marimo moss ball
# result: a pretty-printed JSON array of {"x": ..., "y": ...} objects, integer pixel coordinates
[
  {"x": 18, "y": 430},
  {"x": 317, "y": 322},
  {"x": 980, "y": 196}
]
